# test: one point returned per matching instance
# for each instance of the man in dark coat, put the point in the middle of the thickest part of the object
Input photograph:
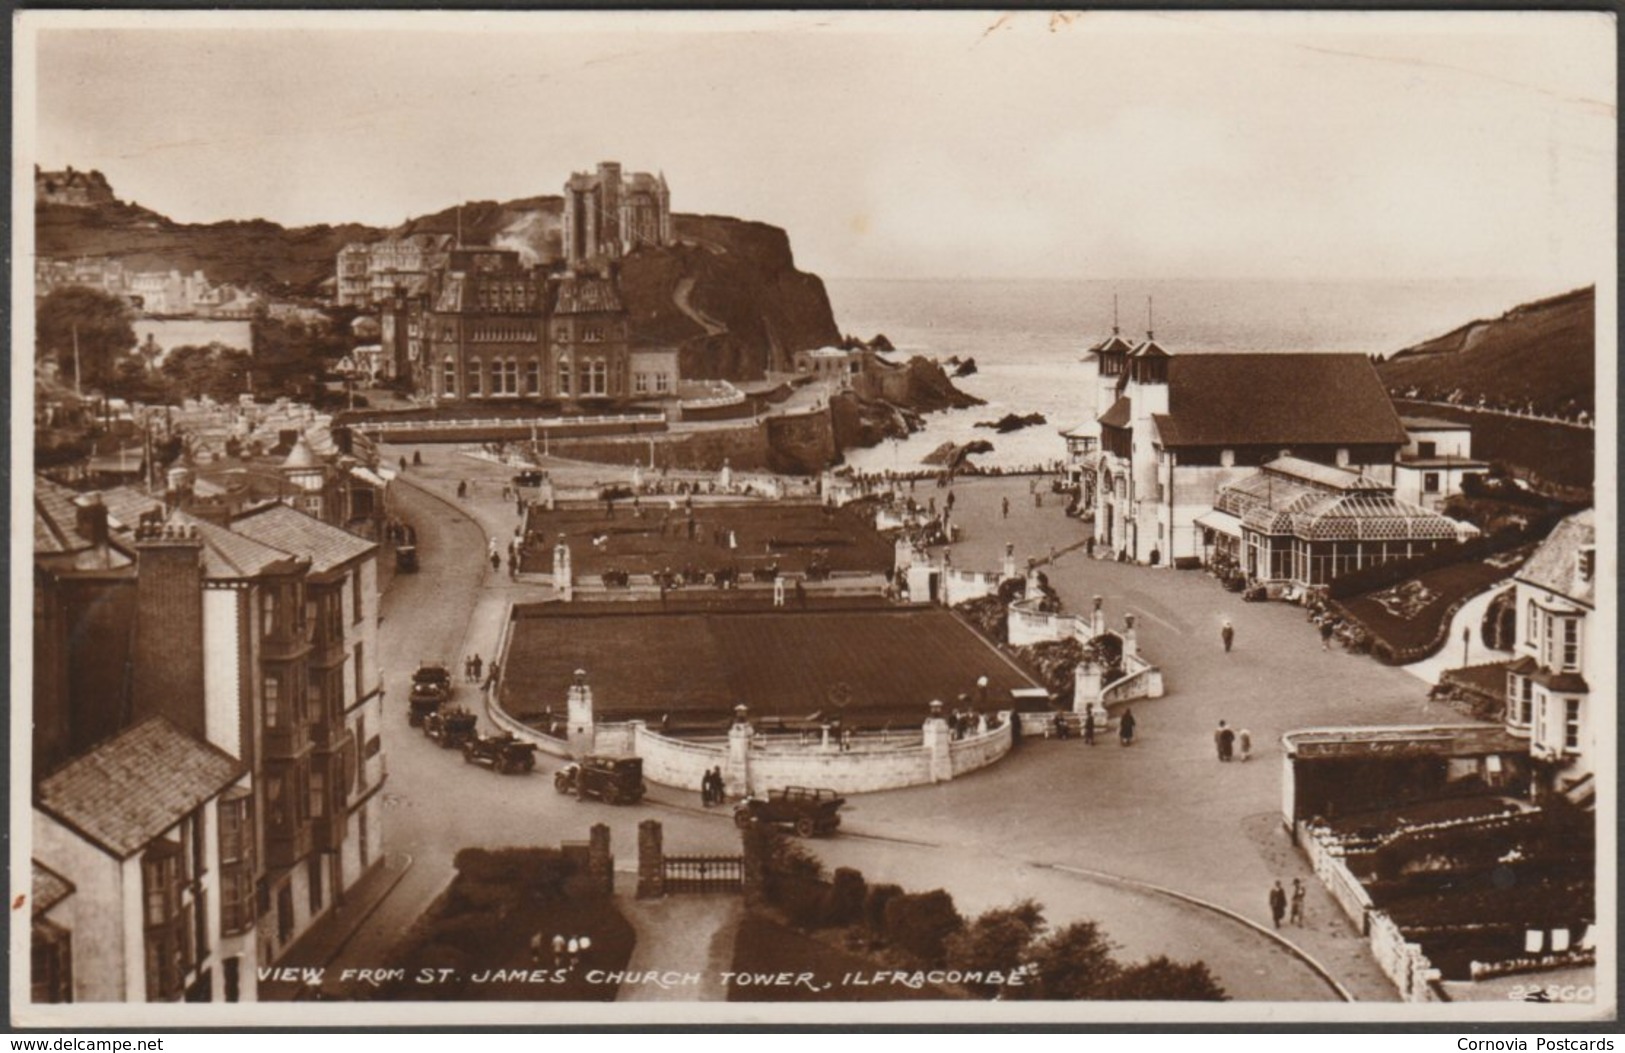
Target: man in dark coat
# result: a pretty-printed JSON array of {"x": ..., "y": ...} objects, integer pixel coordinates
[
  {"x": 1277, "y": 903},
  {"x": 1089, "y": 725},
  {"x": 1125, "y": 727},
  {"x": 1224, "y": 739}
]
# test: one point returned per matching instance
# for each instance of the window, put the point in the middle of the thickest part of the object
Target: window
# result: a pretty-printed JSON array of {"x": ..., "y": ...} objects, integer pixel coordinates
[
  {"x": 1529, "y": 622},
  {"x": 640, "y": 383},
  {"x": 1430, "y": 482},
  {"x": 496, "y": 377},
  {"x": 357, "y": 605},
  {"x": 275, "y": 713},
  {"x": 1571, "y": 723},
  {"x": 1427, "y": 449},
  {"x": 236, "y": 812},
  {"x": 597, "y": 378},
  {"x": 510, "y": 377},
  {"x": 268, "y": 607},
  {"x": 449, "y": 377},
  {"x": 593, "y": 335},
  {"x": 362, "y": 847},
  {"x": 475, "y": 380},
  {"x": 313, "y": 868},
  {"x": 533, "y": 377},
  {"x": 1571, "y": 643},
  {"x": 167, "y": 923},
  {"x": 1526, "y": 701},
  {"x": 318, "y": 796},
  {"x": 360, "y": 736},
  {"x": 50, "y": 963},
  {"x": 564, "y": 378},
  {"x": 360, "y": 675},
  {"x": 662, "y": 382}
]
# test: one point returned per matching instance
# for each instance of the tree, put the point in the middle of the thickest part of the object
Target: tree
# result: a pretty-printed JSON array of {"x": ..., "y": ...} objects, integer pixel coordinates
[
  {"x": 999, "y": 940},
  {"x": 920, "y": 923},
  {"x": 217, "y": 371},
  {"x": 100, "y": 323},
  {"x": 1160, "y": 979},
  {"x": 1075, "y": 962}
]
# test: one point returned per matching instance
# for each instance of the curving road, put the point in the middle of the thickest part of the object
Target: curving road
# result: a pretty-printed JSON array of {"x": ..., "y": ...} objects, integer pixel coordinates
[{"x": 1006, "y": 849}]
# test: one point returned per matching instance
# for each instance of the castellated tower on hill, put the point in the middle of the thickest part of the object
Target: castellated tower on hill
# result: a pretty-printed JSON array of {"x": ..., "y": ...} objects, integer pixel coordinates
[{"x": 607, "y": 215}]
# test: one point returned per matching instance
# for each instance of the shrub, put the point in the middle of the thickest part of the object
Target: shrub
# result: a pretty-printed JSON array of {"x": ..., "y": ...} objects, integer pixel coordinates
[
  {"x": 847, "y": 897},
  {"x": 999, "y": 940},
  {"x": 1075, "y": 962},
  {"x": 805, "y": 901},
  {"x": 1160, "y": 979},
  {"x": 920, "y": 923},
  {"x": 874, "y": 906}
]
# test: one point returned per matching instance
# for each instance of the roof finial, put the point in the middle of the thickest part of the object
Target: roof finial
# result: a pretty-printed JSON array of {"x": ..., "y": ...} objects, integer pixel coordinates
[
  {"x": 1115, "y": 329},
  {"x": 1148, "y": 320}
]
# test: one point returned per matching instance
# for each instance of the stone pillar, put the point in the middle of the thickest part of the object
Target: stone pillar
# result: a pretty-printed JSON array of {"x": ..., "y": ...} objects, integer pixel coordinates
[
  {"x": 1032, "y": 580},
  {"x": 736, "y": 768},
  {"x": 582, "y": 729},
  {"x": 778, "y": 590},
  {"x": 563, "y": 574},
  {"x": 600, "y": 863},
  {"x": 1097, "y": 618},
  {"x": 1131, "y": 643},
  {"x": 651, "y": 860},
  {"x": 937, "y": 744},
  {"x": 725, "y": 478},
  {"x": 1007, "y": 569},
  {"x": 1085, "y": 686}
]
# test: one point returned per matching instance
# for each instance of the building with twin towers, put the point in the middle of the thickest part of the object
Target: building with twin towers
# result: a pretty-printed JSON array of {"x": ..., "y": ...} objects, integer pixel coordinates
[{"x": 607, "y": 214}]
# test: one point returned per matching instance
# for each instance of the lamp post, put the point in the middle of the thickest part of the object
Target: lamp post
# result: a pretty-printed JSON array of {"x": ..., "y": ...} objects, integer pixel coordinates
[{"x": 1466, "y": 642}]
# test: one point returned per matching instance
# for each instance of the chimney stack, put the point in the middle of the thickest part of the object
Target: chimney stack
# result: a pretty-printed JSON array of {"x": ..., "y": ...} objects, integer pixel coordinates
[
  {"x": 90, "y": 518},
  {"x": 168, "y": 658}
]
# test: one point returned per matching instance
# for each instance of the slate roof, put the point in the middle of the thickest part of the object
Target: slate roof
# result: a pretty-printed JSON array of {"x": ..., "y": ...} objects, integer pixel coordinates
[
  {"x": 56, "y": 531},
  {"x": 1555, "y": 566},
  {"x": 1112, "y": 345},
  {"x": 1119, "y": 414},
  {"x": 48, "y": 888},
  {"x": 227, "y": 554},
  {"x": 288, "y": 530},
  {"x": 1267, "y": 399},
  {"x": 132, "y": 788}
]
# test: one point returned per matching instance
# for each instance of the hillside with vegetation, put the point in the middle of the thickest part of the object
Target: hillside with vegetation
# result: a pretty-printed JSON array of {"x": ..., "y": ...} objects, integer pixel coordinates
[
  {"x": 727, "y": 294},
  {"x": 1538, "y": 358}
]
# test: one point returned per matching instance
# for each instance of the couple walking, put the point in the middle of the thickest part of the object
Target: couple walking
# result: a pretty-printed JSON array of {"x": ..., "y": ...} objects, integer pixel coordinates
[
  {"x": 1229, "y": 743},
  {"x": 1279, "y": 906},
  {"x": 711, "y": 787}
]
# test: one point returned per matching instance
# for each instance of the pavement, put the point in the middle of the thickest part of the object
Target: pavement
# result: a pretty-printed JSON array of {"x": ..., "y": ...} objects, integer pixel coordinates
[
  {"x": 668, "y": 932},
  {"x": 1172, "y": 851}
]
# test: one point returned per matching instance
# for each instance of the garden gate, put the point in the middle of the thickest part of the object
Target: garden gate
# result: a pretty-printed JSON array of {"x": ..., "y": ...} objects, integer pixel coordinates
[{"x": 703, "y": 873}]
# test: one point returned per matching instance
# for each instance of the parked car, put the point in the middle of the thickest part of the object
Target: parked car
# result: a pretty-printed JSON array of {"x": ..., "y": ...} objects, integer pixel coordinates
[
  {"x": 452, "y": 728},
  {"x": 406, "y": 558},
  {"x": 809, "y": 812},
  {"x": 613, "y": 780},
  {"x": 502, "y": 753},
  {"x": 431, "y": 686}
]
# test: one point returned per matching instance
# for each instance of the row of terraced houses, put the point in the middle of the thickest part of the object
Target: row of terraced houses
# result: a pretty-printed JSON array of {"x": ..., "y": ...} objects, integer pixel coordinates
[{"x": 207, "y": 763}]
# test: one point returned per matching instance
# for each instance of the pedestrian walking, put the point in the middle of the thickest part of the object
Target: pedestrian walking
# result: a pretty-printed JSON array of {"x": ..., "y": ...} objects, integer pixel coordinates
[
  {"x": 462, "y": 489},
  {"x": 1244, "y": 744},
  {"x": 493, "y": 675},
  {"x": 1125, "y": 728},
  {"x": 1004, "y": 507},
  {"x": 705, "y": 788},
  {"x": 1325, "y": 634},
  {"x": 478, "y": 663},
  {"x": 468, "y": 667},
  {"x": 1224, "y": 739},
  {"x": 417, "y": 458},
  {"x": 1227, "y": 633},
  {"x": 1089, "y": 547},
  {"x": 1277, "y": 902},
  {"x": 1089, "y": 725},
  {"x": 403, "y": 464},
  {"x": 1298, "y": 893},
  {"x": 496, "y": 561}
]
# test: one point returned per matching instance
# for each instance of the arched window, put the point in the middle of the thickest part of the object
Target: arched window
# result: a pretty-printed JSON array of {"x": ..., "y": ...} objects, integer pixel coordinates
[
  {"x": 496, "y": 377},
  {"x": 533, "y": 377}
]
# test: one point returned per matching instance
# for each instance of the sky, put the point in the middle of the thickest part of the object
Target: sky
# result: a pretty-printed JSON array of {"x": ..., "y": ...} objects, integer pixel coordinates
[{"x": 1277, "y": 146}]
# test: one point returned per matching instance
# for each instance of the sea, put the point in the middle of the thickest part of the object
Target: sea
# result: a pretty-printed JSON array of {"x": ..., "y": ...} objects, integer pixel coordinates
[{"x": 1029, "y": 338}]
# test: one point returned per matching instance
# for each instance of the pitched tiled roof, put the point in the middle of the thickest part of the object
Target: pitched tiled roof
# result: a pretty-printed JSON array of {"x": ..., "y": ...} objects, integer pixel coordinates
[
  {"x": 1268, "y": 399},
  {"x": 132, "y": 788},
  {"x": 587, "y": 296},
  {"x": 1555, "y": 566},
  {"x": 227, "y": 554},
  {"x": 48, "y": 888},
  {"x": 283, "y": 528}
]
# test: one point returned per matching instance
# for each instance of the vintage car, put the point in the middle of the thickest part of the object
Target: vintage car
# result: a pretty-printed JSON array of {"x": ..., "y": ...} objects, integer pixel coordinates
[
  {"x": 406, "y": 558},
  {"x": 502, "y": 753},
  {"x": 452, "y": 728},
  {"x": 810, "y": 812},
  {"x": 431, "y": 686},
  {"x": 613, "y": 780}
]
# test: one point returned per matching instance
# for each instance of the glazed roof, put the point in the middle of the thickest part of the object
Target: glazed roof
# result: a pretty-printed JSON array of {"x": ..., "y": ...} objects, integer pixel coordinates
[
  {"x": 1320, "y": 503},
  {"x": 587, "y": 296},
  {"x": 1555, "y": 566},
  {"x": 132, "y": 788}
]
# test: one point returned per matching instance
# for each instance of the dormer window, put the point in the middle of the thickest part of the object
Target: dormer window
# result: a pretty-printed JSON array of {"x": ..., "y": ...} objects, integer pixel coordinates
[{"x": 1588, "y": 562}]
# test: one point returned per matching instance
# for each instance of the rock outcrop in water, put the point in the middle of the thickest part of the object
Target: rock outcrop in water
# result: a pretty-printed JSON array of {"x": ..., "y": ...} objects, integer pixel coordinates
[{"x": 1012, "y": 422}]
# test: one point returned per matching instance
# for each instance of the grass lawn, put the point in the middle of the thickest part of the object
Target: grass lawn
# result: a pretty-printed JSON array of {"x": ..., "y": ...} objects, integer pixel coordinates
[
  {"x": 765, "y": 533},
  {"x": 789, "y": 664},
  {"x": 764, "y": 945},
  {"x": 1409, "y": 614}
]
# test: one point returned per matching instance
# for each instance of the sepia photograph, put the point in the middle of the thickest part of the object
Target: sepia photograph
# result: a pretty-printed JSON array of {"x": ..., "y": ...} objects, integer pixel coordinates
[{"x": 870, "y": 517}]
